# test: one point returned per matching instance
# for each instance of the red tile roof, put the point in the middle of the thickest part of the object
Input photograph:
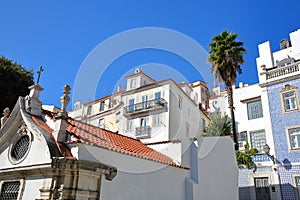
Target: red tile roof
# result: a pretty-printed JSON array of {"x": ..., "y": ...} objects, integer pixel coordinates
[
  {"x": 63, "y": 149},
  {"x": 84, "y": 133}
]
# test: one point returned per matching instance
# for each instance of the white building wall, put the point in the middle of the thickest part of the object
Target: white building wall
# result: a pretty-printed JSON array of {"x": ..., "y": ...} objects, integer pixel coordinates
[
  {"x": 185, "y": 116},
  {"x": 213, "y": 174}
]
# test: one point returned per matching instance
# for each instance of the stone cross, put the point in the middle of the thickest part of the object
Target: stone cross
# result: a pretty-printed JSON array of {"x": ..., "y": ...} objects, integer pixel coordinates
[{"x": 39, "y": 74}]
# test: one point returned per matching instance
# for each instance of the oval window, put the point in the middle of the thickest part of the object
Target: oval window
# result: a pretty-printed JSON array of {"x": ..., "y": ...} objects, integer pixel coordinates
[{"x": 20, "y": 148}]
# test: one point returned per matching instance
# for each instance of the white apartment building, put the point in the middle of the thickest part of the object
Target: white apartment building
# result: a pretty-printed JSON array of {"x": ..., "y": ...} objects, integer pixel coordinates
[
  {"x": 150, "y": 111},
  {"x": 251, "y": 118},
  {"x": 103, "y": 112}
]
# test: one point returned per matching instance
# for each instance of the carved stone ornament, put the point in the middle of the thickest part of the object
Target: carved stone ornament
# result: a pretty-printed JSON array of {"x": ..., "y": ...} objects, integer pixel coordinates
[
  {"x": 23, "y": 129},
  {"x": 6, "y": 113},
  {"x": 288, "y": 87}
]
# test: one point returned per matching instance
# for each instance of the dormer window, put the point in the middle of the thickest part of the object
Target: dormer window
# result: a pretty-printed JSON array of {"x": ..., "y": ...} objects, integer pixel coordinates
[
  {"x": 132, "y": 83},
  {"x": 285, "y": 62}
]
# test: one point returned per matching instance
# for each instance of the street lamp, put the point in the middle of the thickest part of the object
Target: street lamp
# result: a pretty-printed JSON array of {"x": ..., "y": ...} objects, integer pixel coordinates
[{"x": 267, "y": 151}]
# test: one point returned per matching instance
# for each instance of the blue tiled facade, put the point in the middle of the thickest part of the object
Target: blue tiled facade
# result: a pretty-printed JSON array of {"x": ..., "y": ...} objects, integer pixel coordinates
[
  {"x": 286, "y": 179},
  {"x": 244, "y": 182},
  {"x": 280, "y": 122}
]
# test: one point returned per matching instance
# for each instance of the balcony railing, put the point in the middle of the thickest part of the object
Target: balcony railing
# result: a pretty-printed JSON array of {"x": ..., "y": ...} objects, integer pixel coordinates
[
  {"x": 145, "y": 107},
  {"x": 281, "y": 71},
  {"x": 143, "y": 132}
]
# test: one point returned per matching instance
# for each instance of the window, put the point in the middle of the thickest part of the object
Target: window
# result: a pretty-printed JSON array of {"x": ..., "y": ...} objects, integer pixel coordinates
[
  {"x": 180, "y": 102},
  {"x": 156, "y": 120},
  {"x": 77, "y": 106},
  {"x": 110, "y": 103},
  {"x": 294, "y": 136},
  {"x": 101, "y": 123},
  {"x": 131, "y": 105},
  {"x": 10, "y": 190},
  {"x": 89, "y": 110},
  {"x": 243, "y": 136},
  {"x": 117, "y": 117},
  {"x": 143, "y": 122},
  {"x": 196, "y": 97},
  {"x": 187, "y": 129},
  {"x": 132, "y": 83},
  {"x": 289, "y": 97},
  {"x": 258, "y": 140},
  {"x": 129, "y": 125},
  {"x": 254, "y": 109},
  {"x": 101, "y": 105},
  {"x": 20, "y": 148},
  {"x": 157, "y": 96},
  {"x": 145, "y": 101},
  {"x": 297, "y": 184}
]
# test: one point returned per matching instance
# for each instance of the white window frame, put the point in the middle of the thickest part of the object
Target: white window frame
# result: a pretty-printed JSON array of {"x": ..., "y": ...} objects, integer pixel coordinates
[
  {"x": 129, "y": 125},
  {"x": 254, "y": 109},
  {"x": 101, "y": 123},
  {"x": 102, "y": 105},
  {"x": 289, "y": 139},
  {"x": 132, "y": 83},
  {"x": 260, "y": 150},
  {"x": 156, "y": 120},
  {"x": 89, "y": 110}
]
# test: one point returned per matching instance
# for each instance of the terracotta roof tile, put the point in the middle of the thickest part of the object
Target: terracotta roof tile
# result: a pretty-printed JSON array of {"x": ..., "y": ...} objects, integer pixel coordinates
[
  {"x": 84, "y": 133},
  {"x": 63, "y": 149}
]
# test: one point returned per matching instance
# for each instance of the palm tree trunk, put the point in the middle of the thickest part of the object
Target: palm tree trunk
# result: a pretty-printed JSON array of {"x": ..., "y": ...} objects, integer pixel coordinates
[{"x": 230, "y": 103}]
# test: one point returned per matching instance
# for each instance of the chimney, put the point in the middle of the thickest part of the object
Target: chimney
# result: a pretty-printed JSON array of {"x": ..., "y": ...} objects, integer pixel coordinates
[
  {"x": 119, "y": 88},
  {"x": 33, "y": 105},
  {"x": 61, "y": 122}
]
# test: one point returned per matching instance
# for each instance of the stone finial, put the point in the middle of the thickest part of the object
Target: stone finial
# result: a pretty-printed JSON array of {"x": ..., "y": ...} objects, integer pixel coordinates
[
  {"x": 6, "y": 113},
  {"x": 119, "y": 88},
  {"x": 59, "y": 131},
  {"x": 65, "y": 99},
  {"x": 32, "y": 103}
]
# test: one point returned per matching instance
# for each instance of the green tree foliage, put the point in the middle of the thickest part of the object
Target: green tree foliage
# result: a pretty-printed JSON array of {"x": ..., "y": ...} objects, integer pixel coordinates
[
  {"x": 218, "y": 126},
  {"x": 245, "y": 158},
  {"x": 226, "y": 55},
  {"x": 14, "y": 82}
]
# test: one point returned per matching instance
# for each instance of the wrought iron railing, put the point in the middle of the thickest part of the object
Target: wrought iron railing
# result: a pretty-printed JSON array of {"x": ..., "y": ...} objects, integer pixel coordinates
[
  {"x": 145, "y": 106},
  {"x": 143, "y": 132},
  {"x": 281, "y": 71}
]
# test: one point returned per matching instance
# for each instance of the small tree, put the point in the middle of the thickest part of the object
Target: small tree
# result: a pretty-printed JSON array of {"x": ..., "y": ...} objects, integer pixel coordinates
[
  {"x": 220, "y": 125},
  {"x": 14, "y": 82}
]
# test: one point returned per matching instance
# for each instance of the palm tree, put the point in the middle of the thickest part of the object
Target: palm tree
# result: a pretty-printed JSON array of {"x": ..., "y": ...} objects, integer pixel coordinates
[{"x": 226, "y": 55}]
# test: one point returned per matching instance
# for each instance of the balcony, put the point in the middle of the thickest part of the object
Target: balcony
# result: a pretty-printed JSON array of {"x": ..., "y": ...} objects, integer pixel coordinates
[
  {"x": 143, "y": 108},
  {"x": 143, "y": 132},
  {"x": 281, "y": 72}
]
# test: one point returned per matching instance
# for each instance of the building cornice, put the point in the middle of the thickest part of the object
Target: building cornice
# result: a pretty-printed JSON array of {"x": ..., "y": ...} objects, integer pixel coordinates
[{"x": 290, "y": 78}]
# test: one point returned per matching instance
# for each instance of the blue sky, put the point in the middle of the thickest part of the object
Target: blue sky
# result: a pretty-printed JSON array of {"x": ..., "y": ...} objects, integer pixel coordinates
[{"x": 60, "y": 35}]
